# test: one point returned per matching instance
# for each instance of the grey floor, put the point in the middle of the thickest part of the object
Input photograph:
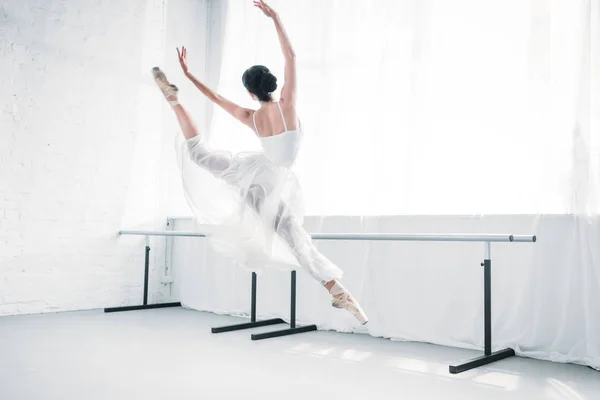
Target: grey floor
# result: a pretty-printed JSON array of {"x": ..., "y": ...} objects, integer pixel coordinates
[{"x": 171, "y": 354}]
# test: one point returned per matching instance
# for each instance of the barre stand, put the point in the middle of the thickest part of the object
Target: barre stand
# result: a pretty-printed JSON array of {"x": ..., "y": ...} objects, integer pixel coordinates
[
  {"x": 145, "y": 305},
  {"x": 292, "y": 330},
  {"x": 488, "y": 357}
]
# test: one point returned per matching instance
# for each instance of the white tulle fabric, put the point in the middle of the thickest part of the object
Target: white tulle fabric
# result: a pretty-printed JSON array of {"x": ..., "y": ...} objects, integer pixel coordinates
[{"x": 253, "y": 204}]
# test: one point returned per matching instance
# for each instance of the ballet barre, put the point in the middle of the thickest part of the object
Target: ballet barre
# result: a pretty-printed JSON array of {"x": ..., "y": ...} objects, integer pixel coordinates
[
  {"x": 415, "y": 237},
  {"x": 487, "y": 239}
]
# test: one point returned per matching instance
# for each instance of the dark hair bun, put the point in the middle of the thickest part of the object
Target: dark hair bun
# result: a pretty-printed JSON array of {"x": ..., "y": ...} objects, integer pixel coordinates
[
  {"x": 268, "y": 82},
  {"x": 260, "y": 81}
]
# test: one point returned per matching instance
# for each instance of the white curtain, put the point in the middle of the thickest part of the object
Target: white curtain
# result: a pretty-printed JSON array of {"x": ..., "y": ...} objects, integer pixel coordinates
[
  {"x": 437, "y": 108},
  {"x": 428, "y": 106}
]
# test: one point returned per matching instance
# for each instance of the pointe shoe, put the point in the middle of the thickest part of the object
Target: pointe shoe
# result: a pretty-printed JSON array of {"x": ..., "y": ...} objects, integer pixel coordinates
[
  {"x": 168, "y": 89},
  {"x": 344, "y": 300}
]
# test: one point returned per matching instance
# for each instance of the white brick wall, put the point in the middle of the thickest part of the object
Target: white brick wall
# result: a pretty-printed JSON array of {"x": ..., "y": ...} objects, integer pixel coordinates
[{"x": 83, "y": 147}]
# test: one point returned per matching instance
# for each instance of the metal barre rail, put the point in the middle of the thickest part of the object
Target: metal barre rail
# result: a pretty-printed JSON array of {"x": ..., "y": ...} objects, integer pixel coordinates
[
  {"x": 488, "y": 356},
  {"x": 450, "y": 237}
]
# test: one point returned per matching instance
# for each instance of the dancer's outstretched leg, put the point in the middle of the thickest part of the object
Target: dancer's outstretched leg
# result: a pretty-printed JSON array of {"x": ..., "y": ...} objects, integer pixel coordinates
[
  {"x": 170, "y": 92},
  {"x": 316, "y": 264},
  {"x": 213, "y": 162}
]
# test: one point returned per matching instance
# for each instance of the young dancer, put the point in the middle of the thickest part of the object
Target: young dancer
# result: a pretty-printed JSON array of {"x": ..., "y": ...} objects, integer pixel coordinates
[{"x": 263, "y": 180}]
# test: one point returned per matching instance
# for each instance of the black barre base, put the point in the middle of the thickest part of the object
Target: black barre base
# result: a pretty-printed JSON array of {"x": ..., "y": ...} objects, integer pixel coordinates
[
  {"x": 144, "y": 307},
  {"x": 248, "y": 325},
  {"x": 283, "y": 332},
  {"x": 292, "y": 330},
  {"x": 488, "y": 356},
  {"x": 483, "y": 360}
]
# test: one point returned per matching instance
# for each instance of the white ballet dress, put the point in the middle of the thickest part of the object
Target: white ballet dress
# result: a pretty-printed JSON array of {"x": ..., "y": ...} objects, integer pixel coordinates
[{"x": 250, "y": 204}]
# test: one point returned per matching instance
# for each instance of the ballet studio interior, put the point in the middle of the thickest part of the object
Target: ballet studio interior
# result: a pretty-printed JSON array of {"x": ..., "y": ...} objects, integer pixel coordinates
[{"x": 299, "y": 199}]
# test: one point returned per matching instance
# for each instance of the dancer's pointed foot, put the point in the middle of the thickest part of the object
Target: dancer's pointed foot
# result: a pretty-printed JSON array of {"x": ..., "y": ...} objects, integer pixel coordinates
[
  {"x": 343, "y": 299},
  {"x": 169, "y": 90}
]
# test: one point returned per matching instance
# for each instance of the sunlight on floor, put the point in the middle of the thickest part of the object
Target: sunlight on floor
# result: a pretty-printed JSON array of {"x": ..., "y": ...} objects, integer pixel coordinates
[
  {"x": 420, "y": 366},
  {"x": 504, "y": 380},
  {"x": 328, "y": 351},
  {"x": 560, "y": 390}
]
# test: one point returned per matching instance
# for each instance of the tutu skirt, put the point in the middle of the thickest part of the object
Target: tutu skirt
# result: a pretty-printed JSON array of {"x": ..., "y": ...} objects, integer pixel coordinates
[{"x": 250, "y": 208}]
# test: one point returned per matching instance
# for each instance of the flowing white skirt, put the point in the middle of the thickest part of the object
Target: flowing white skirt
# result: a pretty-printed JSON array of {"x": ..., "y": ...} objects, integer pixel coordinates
[{"x": 253, "y": 207}]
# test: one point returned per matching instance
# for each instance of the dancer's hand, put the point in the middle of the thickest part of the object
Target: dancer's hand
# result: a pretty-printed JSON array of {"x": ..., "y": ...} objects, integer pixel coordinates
[
  {"x": 269, "y": 12},
  {"x": 183, "y": 59}
]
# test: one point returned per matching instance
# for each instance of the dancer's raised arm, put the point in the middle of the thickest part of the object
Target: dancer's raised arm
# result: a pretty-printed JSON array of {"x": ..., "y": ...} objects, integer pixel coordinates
[
  {"x": 288, "y": 92},
  {"x": 244, "y": 115}
]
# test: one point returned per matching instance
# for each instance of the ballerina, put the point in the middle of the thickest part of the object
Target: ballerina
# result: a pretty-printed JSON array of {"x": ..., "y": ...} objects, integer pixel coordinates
[{"x": 263, "y": 181}]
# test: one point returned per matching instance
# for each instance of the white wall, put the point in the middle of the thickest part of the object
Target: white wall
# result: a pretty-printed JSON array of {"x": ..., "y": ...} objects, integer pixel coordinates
[{"x": 83, "y": 132}]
